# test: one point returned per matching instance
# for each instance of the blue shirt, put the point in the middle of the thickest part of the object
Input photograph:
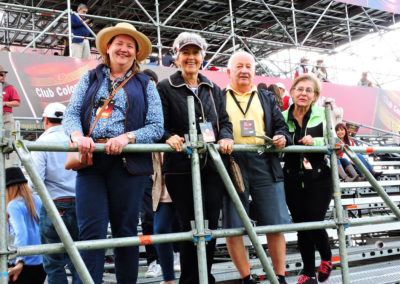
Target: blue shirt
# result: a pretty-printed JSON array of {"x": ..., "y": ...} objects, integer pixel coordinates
[
  {"x": 78, "y": 29},
  {"x": 59, "y": 182},
  {"x": 115, "y": 124},
  {"x": 24, "y": 228}
]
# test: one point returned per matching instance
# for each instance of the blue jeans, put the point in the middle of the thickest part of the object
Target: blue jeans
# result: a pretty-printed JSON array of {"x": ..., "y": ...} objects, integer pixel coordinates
[
  {"x": 346, "y": 162},
  {"x": 163, "y": 221},
  {"x": 107, "y": 192},
  {"x": 54, "y": 263}
]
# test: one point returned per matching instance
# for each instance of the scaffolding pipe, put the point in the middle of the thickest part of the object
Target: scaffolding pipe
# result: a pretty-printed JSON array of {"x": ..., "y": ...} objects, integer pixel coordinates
[
  {"x": 45, "y": 30},
  {"x": 84, "y": 23},
  {"x": 145, "y": 12},
  {"x": 199, "y": 229},
  {"x": 15, "y": 252},
  {"x": 294, "y": 23},
  {"x": 52, "y": 211},
  {"x": 232, "y": 26},
  {"x": 337, "y": 198},
  {"x": 367, "y": 174},
  {"x": 347, "y": 22},
  {"x": 279, "y": 22},
  {"x": 3, "y": 208},
  {"x": 316, "y": 23},
  {"x": 174, "y": 12},
  {"x": 372, "y": 128},
  {"x": 242, "y": 212},
  {"x": 217, "y": 52},
  {"x": 40, "y": 32},
  {"x": 158, "y": 33}
]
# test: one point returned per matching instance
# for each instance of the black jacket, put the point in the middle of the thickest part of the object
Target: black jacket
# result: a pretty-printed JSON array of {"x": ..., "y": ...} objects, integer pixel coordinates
[
  {"x": 173, "y": 93},
  {"x": 275, "y": 125}
]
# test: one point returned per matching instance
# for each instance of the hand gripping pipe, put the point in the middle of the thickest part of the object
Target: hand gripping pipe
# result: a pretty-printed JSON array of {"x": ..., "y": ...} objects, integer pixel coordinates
[
  {"x": 242, "y": 212},
  {"x": 341, "y": 222},
  {"x": 52, "y": 211}
]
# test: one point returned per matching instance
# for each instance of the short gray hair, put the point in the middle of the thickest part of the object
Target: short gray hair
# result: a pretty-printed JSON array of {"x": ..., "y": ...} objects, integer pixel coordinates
[
  {"x": 186, "y": 36},
  {"x": 241, "y": 52},
  {"x": 82, "y": 6}
]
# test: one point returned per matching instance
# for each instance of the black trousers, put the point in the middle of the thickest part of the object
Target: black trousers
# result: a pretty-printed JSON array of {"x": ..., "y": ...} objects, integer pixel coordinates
[
  {"x": 147, "y": 217},
  {"x": 31, "y": 274},
  {"x": 181, "y": 192},
  {"x": 308, "y": 199}
]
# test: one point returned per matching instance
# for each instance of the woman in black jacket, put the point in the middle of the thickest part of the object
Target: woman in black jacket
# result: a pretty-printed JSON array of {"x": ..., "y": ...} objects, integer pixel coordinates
[{"x": 210, "y": 115}]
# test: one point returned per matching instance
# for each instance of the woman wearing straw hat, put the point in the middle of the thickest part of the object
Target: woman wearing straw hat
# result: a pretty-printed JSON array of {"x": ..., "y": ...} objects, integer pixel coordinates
[
  {"x": 112, "y": 189},
  {"x": 23, "y": 209}
]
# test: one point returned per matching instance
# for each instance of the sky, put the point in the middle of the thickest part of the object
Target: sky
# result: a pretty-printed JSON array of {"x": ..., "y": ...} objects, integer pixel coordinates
[{"x": 377, "y": 53}]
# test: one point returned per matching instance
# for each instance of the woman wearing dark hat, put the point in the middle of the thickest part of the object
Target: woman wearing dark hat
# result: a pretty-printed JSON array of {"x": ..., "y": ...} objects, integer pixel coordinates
[
  {"x": 112, "y": 189},
  {"x": 23, "y": 209},
  {"x": 210, "y": 114}
]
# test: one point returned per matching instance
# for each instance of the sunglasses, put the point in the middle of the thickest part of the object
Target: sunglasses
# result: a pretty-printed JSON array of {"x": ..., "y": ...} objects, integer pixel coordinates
[{"x": 2, "y": 74}]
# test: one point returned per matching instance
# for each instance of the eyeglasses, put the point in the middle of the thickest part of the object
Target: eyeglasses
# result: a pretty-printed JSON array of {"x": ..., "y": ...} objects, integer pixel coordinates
[
  {"x": 302, "y": 90},
  {"x": 2, "y": 74}
]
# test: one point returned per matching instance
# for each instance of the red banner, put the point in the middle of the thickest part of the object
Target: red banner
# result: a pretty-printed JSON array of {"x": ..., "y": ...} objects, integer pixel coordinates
[{"x": 40, "y": 80}]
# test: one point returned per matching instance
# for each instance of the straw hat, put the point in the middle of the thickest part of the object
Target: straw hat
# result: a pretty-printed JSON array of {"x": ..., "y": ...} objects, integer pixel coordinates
[{"x": 106, "y": 34}]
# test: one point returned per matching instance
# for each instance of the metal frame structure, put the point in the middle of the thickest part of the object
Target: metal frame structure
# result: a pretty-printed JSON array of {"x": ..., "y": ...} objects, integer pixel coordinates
[
  {"x": 200, "y": 233},
  {"x": 262, "y": 27}
]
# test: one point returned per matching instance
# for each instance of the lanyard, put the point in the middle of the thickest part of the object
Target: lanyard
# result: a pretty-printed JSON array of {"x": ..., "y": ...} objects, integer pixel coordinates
[{"x": 238, "y": 104}]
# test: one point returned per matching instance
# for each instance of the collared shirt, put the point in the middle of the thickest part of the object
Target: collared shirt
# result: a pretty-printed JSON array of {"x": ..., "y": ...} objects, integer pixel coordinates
[
  {"x": 59, "y": 182},
  {"x": 115, "y": 124},
  {"x": 255, "y": 113}
]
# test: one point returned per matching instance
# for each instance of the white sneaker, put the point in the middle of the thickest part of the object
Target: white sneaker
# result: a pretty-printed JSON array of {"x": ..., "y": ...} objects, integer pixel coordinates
[
  {"x": 154, "y": 270},
  {"x": 177, "y": 262}
]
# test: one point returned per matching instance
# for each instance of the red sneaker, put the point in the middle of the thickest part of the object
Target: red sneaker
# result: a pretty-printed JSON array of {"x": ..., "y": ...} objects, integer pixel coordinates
[
  {"x": 303, "y": 279},
  {"x": 324, "y": 270}
]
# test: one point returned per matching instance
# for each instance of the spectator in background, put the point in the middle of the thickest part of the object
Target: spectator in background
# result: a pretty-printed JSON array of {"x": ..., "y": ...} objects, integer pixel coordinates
[
  {"x": 23, "y": 209},
  {"x": 320, "y": 71},
  {"x": 262, "y": 86},
  {"x": 153, "y": 60},
  {"x": 65, "y": 51},
  {"x": 364, "y": 82},
  {"x": 274, "y": 89},
  {"x": 80, "y": 47},
  {"x": 10, "y": 100},
  {"x": 60, "y": 184},
  {"x": 302, "y": 68},
  {"x": 286, "y": 100},
  {"x": 168, "y": 60}
]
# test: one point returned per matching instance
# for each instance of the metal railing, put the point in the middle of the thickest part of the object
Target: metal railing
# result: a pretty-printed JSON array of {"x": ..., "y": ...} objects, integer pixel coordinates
[{"x": 200, "y": 233}]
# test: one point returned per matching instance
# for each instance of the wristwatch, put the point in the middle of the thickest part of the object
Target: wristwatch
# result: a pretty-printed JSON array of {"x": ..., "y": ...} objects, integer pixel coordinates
[{"x": 131, "y": 137}]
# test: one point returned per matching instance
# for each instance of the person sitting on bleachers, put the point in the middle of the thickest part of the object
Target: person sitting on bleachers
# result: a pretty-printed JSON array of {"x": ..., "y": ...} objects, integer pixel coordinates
[{"x": 342, "y": 133}]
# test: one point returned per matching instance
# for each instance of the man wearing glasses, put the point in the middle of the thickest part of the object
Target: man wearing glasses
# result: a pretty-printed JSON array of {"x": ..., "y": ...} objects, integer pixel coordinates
[{"x": 10, "y": 100}]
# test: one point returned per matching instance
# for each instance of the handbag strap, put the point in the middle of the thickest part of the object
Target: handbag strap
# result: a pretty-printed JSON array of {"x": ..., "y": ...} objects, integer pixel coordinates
[{"x": 107, "y": 102}]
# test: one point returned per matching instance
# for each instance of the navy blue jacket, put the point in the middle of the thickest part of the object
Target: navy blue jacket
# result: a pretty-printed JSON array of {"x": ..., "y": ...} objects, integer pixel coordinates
[
  {"x": 78, "y": 29},
  {"x": 135, "y": 88}
]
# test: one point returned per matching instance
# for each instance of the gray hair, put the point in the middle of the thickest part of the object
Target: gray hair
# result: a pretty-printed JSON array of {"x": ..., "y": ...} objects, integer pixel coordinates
[
  {"x": 241, "y": 52},
  {"x": 82, "y": 6},
  {"x": 186, "y": 36}
]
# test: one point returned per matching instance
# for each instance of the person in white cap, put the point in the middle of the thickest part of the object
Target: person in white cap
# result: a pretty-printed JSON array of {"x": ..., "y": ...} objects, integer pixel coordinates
[
  {"x": 10, "y": 100},
  {"x": 284, "y": 95},
  {"x": 60, "y": 184},
  {"x": 302, "y": 68}
]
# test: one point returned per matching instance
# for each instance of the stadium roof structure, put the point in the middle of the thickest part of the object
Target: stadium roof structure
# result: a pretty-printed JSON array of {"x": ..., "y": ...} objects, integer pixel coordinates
[{"x": 259, "y": 26}]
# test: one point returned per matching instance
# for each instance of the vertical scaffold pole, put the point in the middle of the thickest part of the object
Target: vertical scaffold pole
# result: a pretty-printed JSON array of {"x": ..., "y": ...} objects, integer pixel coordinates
[
  {"x": 337, "y": 198},
  {"x": 242, "y": 213},
  {"x": 52, "y": 211},
  {"x": 158, "y": 33},
  {"x": 232, "y": 27},
  {"x": 3, "y": 220},
  {"x": 197, "y": 196}
]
